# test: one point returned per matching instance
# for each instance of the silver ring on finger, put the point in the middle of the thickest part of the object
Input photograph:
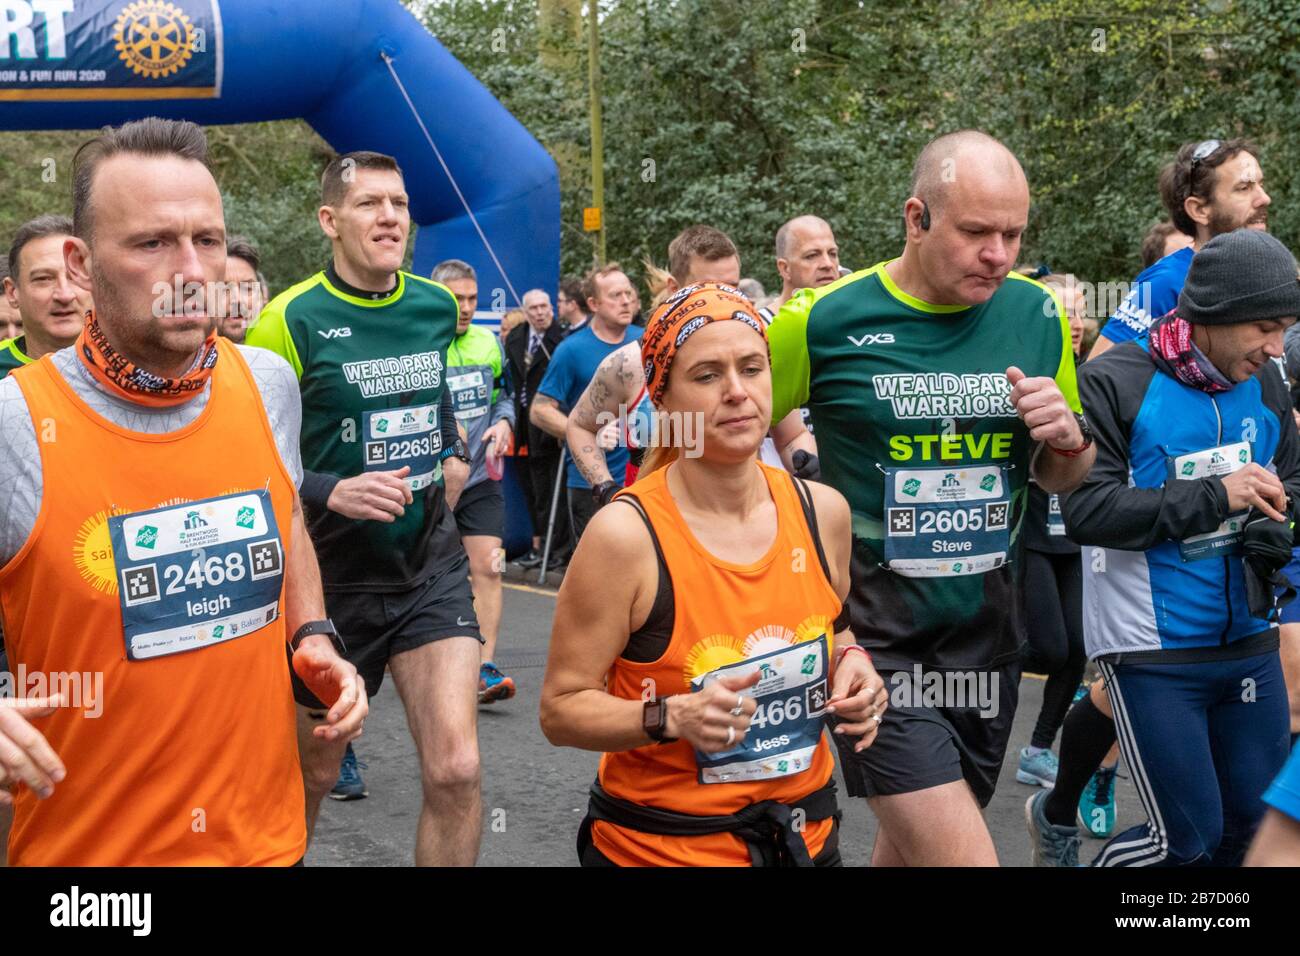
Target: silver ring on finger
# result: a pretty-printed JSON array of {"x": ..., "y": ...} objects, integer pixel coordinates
[
  {"x": 740, "y": 705},
  {"x": 731, "y": 736},
  {"x": 877, "y": 718}
]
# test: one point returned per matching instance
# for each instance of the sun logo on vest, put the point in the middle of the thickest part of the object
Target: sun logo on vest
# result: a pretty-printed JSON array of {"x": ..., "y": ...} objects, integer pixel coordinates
[
  {"x": 92, "y": 552},
  {"x": 719, "y": 650},
  {"x": 153, "y": 38},
  {"x": 714, "y": 651}
]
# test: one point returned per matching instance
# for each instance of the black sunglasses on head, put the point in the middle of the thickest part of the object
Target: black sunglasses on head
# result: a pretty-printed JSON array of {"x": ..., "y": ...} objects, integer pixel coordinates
[{"x": 1204, "y": 151}]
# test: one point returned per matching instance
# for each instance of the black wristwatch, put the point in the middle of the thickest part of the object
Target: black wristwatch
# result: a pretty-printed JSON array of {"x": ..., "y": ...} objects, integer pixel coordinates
[
  {"x": 319, "y": 627},
  {"x": 654, "y": 720},
  {"x": 1085, "y": 430},
  {"x": 604, "y": 492},
  {"x": 456, "y": 450}
]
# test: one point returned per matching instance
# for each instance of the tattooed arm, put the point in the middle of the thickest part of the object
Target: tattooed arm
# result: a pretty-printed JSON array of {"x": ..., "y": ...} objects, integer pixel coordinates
[{"x": 617, "y": 381}]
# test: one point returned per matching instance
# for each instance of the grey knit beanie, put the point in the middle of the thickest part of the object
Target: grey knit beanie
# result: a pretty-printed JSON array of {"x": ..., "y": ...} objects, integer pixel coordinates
[{"x": 1242, "y": 276}]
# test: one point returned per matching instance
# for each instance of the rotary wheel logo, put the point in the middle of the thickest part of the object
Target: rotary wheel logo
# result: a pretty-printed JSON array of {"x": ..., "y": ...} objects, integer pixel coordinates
[{"x": 153, "y": 38}]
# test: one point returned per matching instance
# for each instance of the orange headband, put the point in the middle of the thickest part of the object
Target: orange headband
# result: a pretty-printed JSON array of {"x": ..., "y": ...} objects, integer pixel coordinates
[{"x": 679, "y": 317}]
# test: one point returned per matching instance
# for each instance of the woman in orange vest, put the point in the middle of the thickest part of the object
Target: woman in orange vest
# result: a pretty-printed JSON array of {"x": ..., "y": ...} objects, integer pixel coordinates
[{"x": 707, "y": 665}]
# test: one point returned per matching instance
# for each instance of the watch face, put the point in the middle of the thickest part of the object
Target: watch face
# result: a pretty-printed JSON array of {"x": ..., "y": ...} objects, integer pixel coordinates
[{"x": 653, "y": 717}]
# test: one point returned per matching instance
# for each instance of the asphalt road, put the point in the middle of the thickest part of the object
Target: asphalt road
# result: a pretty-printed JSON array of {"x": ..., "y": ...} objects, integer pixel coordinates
[{"x": 534, "y": 795}]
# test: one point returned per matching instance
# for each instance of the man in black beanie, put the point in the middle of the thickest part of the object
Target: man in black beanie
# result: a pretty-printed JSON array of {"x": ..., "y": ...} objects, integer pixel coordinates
[{"x": 1198, "y": 462}]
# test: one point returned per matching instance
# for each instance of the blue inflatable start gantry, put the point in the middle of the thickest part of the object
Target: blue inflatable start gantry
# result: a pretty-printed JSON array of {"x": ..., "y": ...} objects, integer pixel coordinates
[{"x": 364, "y": 73}]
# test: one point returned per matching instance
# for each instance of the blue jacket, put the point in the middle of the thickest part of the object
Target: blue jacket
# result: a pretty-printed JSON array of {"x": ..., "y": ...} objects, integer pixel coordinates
[{"x": 1162, "y": 560}]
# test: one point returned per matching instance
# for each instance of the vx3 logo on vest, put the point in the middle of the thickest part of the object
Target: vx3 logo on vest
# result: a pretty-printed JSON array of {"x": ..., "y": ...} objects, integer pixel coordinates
[
  {"x": 341, "y": 333},
  {"x": 880, "y": 338}
]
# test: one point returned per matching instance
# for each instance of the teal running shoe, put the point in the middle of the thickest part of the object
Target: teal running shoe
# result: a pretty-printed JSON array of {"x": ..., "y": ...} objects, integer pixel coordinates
[
  {"x": 1097, "y": 805},
  {"x": 1038, "y": 769}
]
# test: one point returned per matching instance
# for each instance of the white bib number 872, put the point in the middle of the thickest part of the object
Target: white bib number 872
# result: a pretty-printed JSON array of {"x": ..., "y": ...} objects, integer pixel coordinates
[
  {"x": 777, "y": 712},
  {"x": 214, "y": 571}
]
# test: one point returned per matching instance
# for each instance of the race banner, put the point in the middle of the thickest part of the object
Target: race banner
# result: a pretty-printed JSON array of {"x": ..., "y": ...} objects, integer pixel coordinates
[{"x": 110, "y": 49}]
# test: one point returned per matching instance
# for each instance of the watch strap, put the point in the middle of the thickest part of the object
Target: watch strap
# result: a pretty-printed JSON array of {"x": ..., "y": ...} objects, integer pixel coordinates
[{"x": 325, "y": 626}]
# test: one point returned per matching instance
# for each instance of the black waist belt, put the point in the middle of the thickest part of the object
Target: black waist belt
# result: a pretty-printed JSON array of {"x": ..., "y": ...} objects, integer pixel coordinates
[{"x": 768, "y": 827}]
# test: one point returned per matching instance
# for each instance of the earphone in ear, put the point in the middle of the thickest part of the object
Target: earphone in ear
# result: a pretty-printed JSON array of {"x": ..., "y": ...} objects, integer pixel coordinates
[{"x": 925, "y": 215}]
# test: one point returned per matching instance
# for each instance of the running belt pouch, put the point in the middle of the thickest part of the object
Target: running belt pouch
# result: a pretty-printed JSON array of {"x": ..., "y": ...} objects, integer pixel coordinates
[
  {"x": 1266, "y": 544},
  {"x": 764, "y": 826}
]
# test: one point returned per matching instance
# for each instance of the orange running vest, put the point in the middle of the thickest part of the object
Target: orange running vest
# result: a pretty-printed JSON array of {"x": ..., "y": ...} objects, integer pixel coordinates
[
  {"x": 194, "y": 758},
  {"x": 723, "y": 612}
]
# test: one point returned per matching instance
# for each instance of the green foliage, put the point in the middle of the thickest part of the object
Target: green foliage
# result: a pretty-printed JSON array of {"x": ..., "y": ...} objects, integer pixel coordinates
[
  {"x": 743, "y": 114},
  {"x": 753, "y": 112},
  {"x": 269, "y": 174}
]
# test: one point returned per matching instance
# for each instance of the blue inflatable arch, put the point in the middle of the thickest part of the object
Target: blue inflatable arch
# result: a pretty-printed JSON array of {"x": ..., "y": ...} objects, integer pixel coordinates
[
  {"x": 345, "y": 66},
  {"x": 364, "y": 73}
]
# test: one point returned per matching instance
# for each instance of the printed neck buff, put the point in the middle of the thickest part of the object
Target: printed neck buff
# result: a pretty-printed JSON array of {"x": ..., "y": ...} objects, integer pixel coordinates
[
  {"x": 1176, "y": 354},
  {"x": 119, "y": 376}
]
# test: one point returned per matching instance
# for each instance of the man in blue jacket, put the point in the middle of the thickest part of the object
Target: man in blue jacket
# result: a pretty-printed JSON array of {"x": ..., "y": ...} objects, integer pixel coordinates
[{"x": 1198, "y": 460}]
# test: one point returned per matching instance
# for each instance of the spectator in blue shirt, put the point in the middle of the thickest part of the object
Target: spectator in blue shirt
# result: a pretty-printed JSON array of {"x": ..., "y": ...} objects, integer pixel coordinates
[{"x": 612, "y": 302}]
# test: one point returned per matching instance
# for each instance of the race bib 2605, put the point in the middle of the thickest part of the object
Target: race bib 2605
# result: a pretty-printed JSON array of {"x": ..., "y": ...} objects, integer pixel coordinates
[{"x": 946, "y": 522}]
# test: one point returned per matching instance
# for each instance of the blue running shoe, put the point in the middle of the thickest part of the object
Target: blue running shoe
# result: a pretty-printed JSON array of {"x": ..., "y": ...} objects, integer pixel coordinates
[
  {"x": 1038, "y": 769},
  {"x": 493, "y": 685},
  {"x": 1097, "y": 805},
  {"x": 1049, "y": 844},
  {"x": 350, "y": 786}
]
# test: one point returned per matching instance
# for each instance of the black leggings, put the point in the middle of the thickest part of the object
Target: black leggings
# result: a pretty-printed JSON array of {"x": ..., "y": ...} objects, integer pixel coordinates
[{"x": 1054, "y": 622}]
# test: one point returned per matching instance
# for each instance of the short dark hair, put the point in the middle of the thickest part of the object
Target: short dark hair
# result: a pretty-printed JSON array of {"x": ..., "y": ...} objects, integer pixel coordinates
[
  {"x": 571, "y": 288},
  {"x": 241, "y": 247},
  {"x": 704, "y": 241},
  {"x": 151, "y": 136},
  {"x": 30, "y": 231},
  {"x": 1182, "y": 178},
  {"x": 1153, "y": 243},
  {"x": 333, "y": 185}
]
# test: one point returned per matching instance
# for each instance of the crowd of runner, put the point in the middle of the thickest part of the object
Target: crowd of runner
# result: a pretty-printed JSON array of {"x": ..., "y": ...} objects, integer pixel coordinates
[{"x": 845, "y": 520}]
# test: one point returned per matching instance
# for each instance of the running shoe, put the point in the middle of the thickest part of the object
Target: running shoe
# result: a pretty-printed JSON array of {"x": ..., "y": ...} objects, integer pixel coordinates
[
  {"x": 1038, "y": 769},
  {"x": 1049, "y": 844},
  {"x": 1097, "y": 805},
  {"x": 350, "y": 786},
  {"x": 493, "y": 685},
  {"x": 530, "y": 561}
]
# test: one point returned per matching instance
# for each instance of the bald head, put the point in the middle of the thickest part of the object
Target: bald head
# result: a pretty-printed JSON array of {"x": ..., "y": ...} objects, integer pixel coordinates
[
  {"x": 806, "y": 255},
  {"x": 796, "y": 228},
  {"x": 978, "y": 208},
  {"x": 956, "y": 161}
]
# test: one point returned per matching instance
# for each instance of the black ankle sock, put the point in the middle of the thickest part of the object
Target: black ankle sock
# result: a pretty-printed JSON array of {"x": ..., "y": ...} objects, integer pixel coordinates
[{"x": 1085, "y": 737}]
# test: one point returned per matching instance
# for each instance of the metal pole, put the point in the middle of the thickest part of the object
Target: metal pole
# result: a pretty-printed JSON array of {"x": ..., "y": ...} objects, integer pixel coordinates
[
  {"x": 550, "y": 524},
  {"x": 597, "y": 130}
]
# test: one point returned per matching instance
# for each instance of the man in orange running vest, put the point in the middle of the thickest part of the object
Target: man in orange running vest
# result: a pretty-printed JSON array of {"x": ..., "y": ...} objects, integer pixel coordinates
[{"x": 154, "y": 563}]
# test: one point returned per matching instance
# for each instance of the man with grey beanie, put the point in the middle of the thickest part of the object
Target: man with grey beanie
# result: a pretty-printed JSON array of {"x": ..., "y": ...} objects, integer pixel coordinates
[{"x": 1184, "y": 522}]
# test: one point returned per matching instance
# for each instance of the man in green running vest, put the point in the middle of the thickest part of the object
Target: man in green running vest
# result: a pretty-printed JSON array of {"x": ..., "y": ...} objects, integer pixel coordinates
[
  {"x": 484, "y": 408},
  {"x": 384, "y": 467},
  {"x": 938, "y": 382},
  {"x": 52, "y": 308}
]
